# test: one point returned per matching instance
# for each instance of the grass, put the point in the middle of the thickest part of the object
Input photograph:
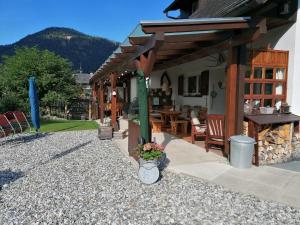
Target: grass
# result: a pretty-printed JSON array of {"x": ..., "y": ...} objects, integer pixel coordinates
[{"x": 67, "y": 125}]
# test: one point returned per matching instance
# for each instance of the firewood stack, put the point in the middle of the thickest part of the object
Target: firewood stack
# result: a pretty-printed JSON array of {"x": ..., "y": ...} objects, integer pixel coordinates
[{"x": 277, "y": 145}]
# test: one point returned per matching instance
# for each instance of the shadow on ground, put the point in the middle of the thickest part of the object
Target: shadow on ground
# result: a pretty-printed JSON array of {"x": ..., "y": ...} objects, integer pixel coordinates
[
  {"x": 8, "y": 176},
  {"x": 62, "y": 154},
  {"x": 24, "y": 139}
]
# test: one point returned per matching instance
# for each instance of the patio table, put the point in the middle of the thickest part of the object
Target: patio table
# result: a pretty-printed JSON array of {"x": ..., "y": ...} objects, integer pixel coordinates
[{"x": 172, "y": 115}]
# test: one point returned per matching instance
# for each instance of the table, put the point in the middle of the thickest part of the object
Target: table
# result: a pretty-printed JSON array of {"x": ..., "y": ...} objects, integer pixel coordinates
[
  {"x": 257, "y": 120},
  {"x": 167, "y": 113}
]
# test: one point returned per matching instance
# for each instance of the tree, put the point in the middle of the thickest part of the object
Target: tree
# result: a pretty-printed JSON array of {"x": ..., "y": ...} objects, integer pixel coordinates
[{"x": 53, "y": 75}]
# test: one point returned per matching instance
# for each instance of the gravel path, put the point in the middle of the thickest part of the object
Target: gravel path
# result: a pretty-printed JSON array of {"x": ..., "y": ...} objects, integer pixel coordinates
[{"x": 73, "y": 178}]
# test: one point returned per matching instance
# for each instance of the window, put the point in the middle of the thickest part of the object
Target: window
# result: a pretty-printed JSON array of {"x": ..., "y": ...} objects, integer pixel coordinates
[{"x": 266, "y": 77}]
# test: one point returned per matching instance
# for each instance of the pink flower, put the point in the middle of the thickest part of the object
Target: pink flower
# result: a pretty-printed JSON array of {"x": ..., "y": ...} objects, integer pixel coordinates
[
  {"x": 159, "y": 147},
  {"x": 147, "y": 147}
]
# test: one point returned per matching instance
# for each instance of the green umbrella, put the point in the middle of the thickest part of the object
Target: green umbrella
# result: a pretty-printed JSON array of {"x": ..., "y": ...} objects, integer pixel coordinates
[{"x": 143, "y": 105}]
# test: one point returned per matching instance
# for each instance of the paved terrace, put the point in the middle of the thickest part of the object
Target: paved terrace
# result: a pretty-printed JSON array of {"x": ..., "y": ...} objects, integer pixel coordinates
[
  {"x": 280, "y": 183},
  {"x": 74, "y": 178}
]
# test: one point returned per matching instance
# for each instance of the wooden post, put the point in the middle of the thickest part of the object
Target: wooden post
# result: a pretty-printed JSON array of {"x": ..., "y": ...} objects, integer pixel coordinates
[
  {"x": 94, "y": 97},
  {"x": 113, "y": 81},
  {"x": 101, "y": 101},
  {"x": 231, "y": 96},
  {"x": 242, "y": 67}
]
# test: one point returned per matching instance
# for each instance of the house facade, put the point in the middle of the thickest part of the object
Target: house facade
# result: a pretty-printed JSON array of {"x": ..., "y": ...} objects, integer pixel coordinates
[
  {"x": 283, "y": 29},
  {"x": 216, "y": 54}
]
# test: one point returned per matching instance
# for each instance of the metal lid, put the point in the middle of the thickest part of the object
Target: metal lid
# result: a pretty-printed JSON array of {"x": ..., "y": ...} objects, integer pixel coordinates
[{"x": 242, "y": 139}]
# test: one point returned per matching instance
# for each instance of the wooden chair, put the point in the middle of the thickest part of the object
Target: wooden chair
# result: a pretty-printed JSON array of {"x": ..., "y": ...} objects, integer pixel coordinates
[
  {"x": 198, "y": 129},
  {"x": 215, "y": 134}
]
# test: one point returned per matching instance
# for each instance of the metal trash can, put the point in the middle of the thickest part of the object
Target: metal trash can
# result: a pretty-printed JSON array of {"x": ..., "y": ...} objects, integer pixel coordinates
[{"x": 241, "y": 151}]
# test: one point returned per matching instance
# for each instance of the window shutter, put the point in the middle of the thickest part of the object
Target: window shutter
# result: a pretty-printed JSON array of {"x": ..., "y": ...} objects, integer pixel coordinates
[{"x": 204, "y": 83}]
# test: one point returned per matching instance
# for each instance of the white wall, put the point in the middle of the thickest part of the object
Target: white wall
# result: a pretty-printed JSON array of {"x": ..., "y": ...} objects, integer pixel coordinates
[
  {"x": 287, "y": 38},
  {"x": 216, "y": 105},
  {"x": 295, "y": 93}
]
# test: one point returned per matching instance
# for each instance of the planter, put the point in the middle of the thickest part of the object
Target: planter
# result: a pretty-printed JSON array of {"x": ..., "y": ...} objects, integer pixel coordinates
[
  {"x": 148, "y": 171},
  {"x": 105, "y": 133}
]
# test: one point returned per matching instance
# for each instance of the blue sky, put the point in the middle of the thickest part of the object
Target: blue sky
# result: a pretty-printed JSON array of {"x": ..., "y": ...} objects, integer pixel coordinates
[{"x": 113, "y": 19}]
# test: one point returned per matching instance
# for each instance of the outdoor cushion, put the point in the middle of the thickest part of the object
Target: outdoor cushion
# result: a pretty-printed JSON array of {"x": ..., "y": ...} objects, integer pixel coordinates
[{"x": 200, "y": 128}]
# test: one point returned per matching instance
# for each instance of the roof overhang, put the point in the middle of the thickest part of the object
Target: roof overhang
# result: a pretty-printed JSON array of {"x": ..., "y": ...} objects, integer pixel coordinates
[{"x": 179, "y": 41}]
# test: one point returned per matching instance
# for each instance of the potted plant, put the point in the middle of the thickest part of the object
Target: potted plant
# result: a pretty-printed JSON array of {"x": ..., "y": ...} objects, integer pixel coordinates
[{"x": 151, "y": 156}]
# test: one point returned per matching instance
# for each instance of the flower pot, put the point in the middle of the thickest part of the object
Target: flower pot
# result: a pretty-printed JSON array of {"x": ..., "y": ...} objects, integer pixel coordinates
[
  {"x": 143, "y": 161},
  {"x": 148, "y": 171}
]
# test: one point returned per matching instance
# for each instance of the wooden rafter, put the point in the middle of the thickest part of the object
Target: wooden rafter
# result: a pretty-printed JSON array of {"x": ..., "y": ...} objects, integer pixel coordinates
[
  {"x": 197, "y": 27},
  {"x": 235, "y": 40}
]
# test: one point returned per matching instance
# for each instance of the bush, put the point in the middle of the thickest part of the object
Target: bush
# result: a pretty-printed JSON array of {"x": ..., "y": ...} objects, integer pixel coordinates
[{"x": 10, "y": 102}]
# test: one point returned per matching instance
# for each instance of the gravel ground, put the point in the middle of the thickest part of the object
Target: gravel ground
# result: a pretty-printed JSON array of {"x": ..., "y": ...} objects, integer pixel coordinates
[{"x": 74, "y": 178}]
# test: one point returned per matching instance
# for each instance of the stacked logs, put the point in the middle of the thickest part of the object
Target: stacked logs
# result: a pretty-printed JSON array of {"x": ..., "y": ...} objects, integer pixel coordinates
[{"x": 277, "y": 144}]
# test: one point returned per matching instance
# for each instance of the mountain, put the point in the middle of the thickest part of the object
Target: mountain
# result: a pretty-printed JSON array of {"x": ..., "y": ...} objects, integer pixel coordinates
[{"x": 81, "y": 49}]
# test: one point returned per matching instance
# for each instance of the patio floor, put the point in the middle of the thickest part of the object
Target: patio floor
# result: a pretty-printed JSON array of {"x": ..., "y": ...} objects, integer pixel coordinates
[{"x": 266, "y": 182}]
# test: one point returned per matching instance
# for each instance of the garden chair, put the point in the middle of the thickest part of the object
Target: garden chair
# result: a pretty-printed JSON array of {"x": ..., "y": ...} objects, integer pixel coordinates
[
  {"x": 198, "y": 129},
  {"x": 215, "y": 134},
  {"x": 22, "y": 120},
  {"x": 13, "y": 121},
  {"x": 6, "y": 126}
]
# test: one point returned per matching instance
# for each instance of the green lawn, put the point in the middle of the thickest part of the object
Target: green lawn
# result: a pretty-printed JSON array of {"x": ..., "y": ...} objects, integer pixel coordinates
[{"x": 67, "y": 125}]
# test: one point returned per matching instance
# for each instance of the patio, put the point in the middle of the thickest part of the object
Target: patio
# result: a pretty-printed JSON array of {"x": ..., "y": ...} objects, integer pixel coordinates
[{"x": 266, "y": 182}]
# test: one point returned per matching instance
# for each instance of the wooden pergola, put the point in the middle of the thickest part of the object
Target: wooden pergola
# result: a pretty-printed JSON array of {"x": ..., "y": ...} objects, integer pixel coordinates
[{"x": 158, "y": 45}]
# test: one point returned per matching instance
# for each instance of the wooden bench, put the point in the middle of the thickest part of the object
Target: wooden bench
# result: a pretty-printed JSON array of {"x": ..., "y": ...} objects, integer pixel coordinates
[
  {"x": 183, "y": 124},
  {"x": 156, "y": 125}
]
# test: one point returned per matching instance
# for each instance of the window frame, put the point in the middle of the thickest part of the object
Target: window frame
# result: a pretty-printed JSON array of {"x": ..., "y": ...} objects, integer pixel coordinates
[{"x": 266, "y": 61}]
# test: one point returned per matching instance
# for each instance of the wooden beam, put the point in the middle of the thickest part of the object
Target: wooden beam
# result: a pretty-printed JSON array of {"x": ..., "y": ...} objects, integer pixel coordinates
[
  {"x": 178, "y": 46},
  {"x": 197, "y": 54},
  {"x": 231, "y": 97},
  {"x": 129, "y": 49},
  {"x": 155, "y": 42},
  {"x": 173, "y": 52},
  {"x": 101, "y": 101},
  {"x": 196, "y": 27},
  {"x": 113, "y": 83},
  {"x": 196, "y": 37},
  {"x": 229, "y": 41},
  {"x": 242, "y": 69},
  {"x": 146, "y": 62}
]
